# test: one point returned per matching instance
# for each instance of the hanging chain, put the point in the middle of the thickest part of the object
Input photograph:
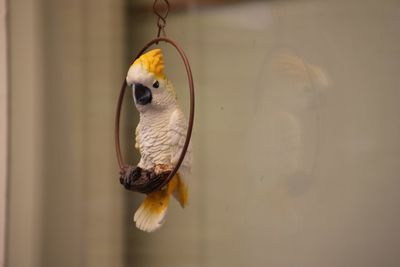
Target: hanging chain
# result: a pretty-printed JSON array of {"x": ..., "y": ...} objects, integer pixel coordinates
[{"x": 161, "y": 10}]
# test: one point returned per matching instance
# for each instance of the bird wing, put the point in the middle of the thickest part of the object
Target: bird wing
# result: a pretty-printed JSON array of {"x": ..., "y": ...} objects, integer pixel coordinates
[
  {"x": 137, "y": 138},
  {"x": 177, "y": 131}
]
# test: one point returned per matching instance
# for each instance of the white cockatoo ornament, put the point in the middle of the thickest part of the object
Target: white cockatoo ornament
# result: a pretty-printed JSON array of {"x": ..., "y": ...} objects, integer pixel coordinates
[{"x": 160, "y": 137}]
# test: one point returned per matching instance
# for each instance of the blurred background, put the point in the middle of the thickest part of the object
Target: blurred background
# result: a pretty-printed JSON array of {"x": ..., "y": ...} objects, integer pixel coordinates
[{"x": 296, "y": 139}]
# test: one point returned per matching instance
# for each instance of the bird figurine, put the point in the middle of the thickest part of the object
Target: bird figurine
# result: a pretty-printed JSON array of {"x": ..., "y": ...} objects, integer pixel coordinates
[{"x": 160, "y": 137}]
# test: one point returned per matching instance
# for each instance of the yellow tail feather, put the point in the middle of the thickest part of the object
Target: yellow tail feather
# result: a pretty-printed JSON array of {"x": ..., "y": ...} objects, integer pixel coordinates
[
  {"x": 182, "y": 192},
  {"x": 150, "y": 215}
]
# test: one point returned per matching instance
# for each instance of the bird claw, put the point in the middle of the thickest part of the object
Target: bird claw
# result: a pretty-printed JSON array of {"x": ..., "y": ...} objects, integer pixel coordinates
[{"x": 161, "y": 169}]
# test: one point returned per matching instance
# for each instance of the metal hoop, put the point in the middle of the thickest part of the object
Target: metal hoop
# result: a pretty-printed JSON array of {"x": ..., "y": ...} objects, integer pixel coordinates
[{"x": 123, "y": 167}]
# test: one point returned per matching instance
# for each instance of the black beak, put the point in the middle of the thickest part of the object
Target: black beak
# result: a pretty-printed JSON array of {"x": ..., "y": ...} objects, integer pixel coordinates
[{"x": 143, "y": 94}]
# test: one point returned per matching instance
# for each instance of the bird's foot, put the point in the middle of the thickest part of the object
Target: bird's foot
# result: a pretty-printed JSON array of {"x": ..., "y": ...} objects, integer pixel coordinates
[{"x": 162, "y": 169}]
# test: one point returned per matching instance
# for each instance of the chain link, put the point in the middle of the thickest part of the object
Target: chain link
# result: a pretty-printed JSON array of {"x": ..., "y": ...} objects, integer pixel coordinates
[{"x": 161, "y": 10}]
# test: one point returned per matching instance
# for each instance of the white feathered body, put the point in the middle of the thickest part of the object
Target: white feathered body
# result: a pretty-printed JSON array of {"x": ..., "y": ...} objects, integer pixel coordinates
[{"x": 160, "y": 136}]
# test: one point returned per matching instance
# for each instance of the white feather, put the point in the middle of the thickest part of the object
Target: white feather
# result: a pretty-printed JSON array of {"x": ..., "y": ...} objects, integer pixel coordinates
[
  {"x": 177, "y": 133},
  {"x": 149, "y": 221}
]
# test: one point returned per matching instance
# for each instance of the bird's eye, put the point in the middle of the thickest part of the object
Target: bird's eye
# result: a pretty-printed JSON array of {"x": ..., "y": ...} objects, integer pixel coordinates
[{"x": 156, "y": 84}]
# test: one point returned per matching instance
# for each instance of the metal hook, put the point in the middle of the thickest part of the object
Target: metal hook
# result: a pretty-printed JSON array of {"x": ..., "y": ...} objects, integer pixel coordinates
[{"x": 162, "y": 16}]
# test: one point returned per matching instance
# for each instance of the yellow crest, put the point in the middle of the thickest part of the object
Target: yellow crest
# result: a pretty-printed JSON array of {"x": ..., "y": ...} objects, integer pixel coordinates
[{"x": 153, "y": 62}]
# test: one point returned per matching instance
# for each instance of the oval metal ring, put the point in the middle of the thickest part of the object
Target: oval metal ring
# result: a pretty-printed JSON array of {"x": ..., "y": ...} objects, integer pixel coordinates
[{"x": 121, "y": 163}]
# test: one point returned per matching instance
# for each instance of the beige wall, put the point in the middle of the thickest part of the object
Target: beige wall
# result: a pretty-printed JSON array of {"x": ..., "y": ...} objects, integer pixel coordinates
[
  {"x": 26, "y": 128},
  {"x": 65, "y": 200},
  {"x": 3, "y": 126}
]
